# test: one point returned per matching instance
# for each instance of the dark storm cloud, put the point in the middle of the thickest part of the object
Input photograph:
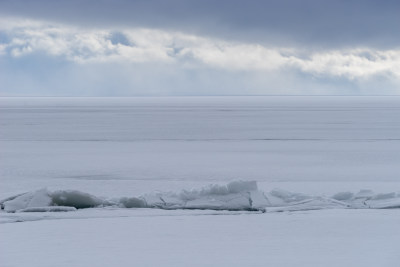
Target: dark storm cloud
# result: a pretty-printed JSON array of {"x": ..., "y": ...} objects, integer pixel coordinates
[{"x": 318, "y": 23}]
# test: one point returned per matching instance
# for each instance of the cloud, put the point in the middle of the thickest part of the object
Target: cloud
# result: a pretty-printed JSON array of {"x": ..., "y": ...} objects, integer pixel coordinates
[
  {"x": 146, "y": 59},
  {"x": 352, "y": 64},
  {"x": 149, "y": 45}
]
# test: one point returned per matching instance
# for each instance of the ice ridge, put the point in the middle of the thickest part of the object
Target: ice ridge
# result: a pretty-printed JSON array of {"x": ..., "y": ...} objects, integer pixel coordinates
[{"x": 235, "y": 196}]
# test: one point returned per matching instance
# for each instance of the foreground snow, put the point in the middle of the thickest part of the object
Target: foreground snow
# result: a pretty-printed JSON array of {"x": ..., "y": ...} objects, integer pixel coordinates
[{"x": 153, "y": 237}]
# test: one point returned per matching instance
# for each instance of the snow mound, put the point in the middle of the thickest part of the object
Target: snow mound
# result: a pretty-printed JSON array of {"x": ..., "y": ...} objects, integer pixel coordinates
[{"x": 234, "y": 196}]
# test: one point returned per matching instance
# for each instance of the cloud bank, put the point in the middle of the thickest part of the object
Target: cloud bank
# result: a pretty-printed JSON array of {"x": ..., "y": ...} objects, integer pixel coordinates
[{"x": 35, "y": 54}]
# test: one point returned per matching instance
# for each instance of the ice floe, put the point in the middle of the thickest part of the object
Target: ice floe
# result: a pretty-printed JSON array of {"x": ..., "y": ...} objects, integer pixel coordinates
[{"x": 234, "y": 196}]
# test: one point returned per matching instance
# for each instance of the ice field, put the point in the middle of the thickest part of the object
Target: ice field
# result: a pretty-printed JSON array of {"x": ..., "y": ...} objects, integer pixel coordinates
[{"x": 200, "y": 181}]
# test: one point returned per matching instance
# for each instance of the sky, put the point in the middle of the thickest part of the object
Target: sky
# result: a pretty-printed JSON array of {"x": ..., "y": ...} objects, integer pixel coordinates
[{"x": 176, "y": 47}]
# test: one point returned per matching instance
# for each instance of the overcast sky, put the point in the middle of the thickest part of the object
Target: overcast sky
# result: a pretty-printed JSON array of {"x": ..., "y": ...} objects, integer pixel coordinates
[{"x": 161, "y": 47}]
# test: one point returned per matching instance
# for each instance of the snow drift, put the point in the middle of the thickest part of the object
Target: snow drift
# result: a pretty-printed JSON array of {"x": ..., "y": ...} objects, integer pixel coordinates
[{"x": 235, "y": 196}]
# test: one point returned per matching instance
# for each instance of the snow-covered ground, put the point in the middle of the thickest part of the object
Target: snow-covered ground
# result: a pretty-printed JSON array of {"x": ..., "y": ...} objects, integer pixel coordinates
[
  {"x": 189, "y": 238},
  {"x": 139, "y": 158}
]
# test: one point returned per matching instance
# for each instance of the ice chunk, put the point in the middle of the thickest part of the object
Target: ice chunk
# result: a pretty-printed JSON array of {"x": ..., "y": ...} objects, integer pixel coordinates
[
  {"x": 77, "y": 199},
  {"x": 384, "y": 196},
  {"x": 39, "y": 198},
  {"x": 221, "y": 202},
  {"x": 287, "y": 196},
  {"x": 171, "y": 201},
  {"x": 153, "y": 200},
  {"x": 365, "y": 193},
  {"x": 133, "y": 202},
  {"x": 213, "y": 189},
  {"x": 258, "y": 200},
  {"x": 311, "y": 204},
  {"x": 242, "y": 186},
  {"x": 393, "y": 203},
  {"x": 343, "y": 196},
  {"x": 8, "y": 199}
]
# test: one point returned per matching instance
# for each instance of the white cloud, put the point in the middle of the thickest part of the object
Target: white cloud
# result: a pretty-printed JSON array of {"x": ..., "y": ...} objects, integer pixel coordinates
[
  {"x": 355, "y": 63},
  {"x": 148, "y": 45},
  {"x": 2, "y": 49}
]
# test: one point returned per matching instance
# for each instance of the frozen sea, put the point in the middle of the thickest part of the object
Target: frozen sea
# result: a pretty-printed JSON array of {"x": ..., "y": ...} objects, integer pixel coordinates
[{"x": 128, "y": 147}]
